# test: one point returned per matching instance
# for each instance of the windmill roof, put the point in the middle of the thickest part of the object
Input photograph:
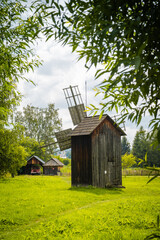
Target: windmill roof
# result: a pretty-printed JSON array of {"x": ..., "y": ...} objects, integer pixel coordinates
[
  {"x": 89, "y": 124},
  {"x": 39, "y": 159},
  {"x": 53, "y": 162}
]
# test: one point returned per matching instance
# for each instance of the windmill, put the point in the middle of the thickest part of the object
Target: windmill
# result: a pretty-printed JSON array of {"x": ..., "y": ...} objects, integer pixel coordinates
[{"x": 95, "y": 144}]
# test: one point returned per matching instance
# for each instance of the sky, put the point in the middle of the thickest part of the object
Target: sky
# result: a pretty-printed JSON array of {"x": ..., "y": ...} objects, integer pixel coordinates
[{"x": 61, "y": 69}]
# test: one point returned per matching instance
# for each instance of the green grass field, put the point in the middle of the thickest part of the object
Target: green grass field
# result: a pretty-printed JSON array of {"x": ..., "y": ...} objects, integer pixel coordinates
[{"x": 42, "y": 207}]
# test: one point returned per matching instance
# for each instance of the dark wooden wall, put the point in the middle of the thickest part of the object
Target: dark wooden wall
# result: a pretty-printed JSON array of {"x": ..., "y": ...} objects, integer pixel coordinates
[
  {"x": 106, "y": 156},
  {"x": 81, "y": 160},
  {"x": 50, "y": 170}
]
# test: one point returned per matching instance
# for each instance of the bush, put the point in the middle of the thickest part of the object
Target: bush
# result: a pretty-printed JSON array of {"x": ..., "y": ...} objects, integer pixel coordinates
[{"x": 128, "y": 160}]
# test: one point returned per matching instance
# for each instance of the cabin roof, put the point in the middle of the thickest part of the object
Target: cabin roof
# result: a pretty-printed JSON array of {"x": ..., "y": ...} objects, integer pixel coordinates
[
  {"x": 39, "y": 159},
  {"x": 53, "y": 162},
  {"x": 89, "y": 124}
]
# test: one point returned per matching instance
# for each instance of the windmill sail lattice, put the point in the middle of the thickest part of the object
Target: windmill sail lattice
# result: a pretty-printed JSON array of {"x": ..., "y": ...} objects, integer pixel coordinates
[
  {"x": 75, "y": 104},
  {"x": 77, "y": 112},
  {"x": 64, "y": 139}
]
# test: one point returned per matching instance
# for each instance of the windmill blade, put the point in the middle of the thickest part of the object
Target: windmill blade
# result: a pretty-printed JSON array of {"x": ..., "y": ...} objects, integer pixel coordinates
[
  {"x": 75, "y": 104},
  {"x": 64, "y": 139},
  {"x": 49, "y": 144},
  {"x": 77, "y": 113}
]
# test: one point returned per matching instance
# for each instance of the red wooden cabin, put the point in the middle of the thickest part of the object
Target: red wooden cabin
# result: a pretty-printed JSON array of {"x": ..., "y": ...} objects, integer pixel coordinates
[{"x": 34, "y": 165}]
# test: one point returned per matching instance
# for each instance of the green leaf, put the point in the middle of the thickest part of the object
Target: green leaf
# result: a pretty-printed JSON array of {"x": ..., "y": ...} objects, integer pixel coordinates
[
  {"x": 116, "y": 108},
  {"x": 51, "y": 35},
  {"x": 101, "y": 114},
  {"x": 137, "y": 62},
  {"x": 40, "y": 20},
  {"x": 145, "y": 157},
  {"x": 95, "y": 113}
]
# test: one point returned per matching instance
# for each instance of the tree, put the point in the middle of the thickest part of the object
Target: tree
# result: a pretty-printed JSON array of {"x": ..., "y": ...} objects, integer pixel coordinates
[
  {"x": 40, "y": 124},
  {"x": 18, "y": 30},
  {"x": 153, "y": 152},
  {"x": 124, "y": 37},
  {"x": 140, "y": 144},
  {"x": 143, "y": 148},
  {"x": 32, "y": 147},
  {"x": 125, "y": 145},
  {"x": 12, "y": 154},
  {"x": 128, "y": 160},
  {"x": 65, "y": 161}
]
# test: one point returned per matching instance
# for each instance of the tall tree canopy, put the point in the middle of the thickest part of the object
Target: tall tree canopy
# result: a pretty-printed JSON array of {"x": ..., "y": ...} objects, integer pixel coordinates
[
  {"x": 12, "y": 153},
  {"x": 18, "y": 30},
  {"x": 40, "y": 124},
  {"x": 124, "y": 37},
  {"x": 125, "y": 146},
  {"x": 142, "y": 145},
  {"x": 32, "y": 147}
]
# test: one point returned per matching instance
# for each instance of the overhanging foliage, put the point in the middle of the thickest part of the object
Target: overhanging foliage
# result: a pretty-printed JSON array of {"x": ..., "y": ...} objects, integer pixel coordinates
[{"x": 124, "y": 37}]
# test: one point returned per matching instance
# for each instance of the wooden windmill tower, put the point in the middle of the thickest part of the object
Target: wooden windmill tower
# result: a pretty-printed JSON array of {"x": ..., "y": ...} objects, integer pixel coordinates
[{"x": 95, "y": 145}]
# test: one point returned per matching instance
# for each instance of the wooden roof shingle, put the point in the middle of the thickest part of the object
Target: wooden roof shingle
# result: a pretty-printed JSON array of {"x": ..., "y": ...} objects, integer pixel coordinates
[
  {"x": 53, "y": 162},
  {"x": 89, "y": 124}
]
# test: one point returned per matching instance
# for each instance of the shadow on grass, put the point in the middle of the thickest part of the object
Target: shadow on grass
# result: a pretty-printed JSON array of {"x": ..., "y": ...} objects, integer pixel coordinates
[
  {"x": 5, "y": 180},
  {"x": 97, "y": 191}
]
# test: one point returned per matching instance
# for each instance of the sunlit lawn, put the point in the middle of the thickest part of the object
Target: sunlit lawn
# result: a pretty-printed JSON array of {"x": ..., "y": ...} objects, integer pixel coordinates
[{"x": 41, "y": 207}]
